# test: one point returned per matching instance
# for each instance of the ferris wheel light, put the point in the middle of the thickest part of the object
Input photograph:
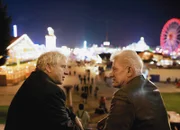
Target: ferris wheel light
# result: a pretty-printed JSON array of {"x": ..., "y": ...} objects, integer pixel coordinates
[
  {"x": 166, "y": 51},
  {"x": 169, "y": 38},
  {"x": 173, "y": 53}
]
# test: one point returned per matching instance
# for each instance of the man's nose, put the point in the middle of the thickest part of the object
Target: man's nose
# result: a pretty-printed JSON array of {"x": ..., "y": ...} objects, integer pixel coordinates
[{"x": 66, "y": 72}]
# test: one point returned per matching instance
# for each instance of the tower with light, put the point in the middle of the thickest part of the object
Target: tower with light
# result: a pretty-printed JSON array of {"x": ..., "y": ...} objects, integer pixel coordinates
[
  {"x": 50, "y": 39},
  {"x": 106, "y": 43},
  {"x": 15, "y": 30},
  {"x": 85, "y": 44}
]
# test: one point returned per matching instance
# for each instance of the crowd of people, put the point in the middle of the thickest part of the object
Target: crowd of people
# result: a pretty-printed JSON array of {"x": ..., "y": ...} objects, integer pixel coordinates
[{"x": 176, "y": 81}]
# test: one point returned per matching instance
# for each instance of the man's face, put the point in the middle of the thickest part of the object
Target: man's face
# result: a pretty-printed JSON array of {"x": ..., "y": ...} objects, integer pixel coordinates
[
  {"x": 118, "y": 74},
  {"x": 58, "y": 72}
]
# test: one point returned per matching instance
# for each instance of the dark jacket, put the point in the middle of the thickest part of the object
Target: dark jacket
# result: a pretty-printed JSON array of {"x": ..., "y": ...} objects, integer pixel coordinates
[
  {"x": 39, "y": 104},
  {"x": 137, "y": 106}
]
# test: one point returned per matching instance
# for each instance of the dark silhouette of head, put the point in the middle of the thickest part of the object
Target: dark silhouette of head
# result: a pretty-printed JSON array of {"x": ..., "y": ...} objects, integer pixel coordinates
[{"x": 81, "y": 106}]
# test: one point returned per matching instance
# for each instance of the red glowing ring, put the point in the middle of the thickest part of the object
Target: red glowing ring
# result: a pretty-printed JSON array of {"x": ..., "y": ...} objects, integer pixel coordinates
[{"x": 170, "y": 35}]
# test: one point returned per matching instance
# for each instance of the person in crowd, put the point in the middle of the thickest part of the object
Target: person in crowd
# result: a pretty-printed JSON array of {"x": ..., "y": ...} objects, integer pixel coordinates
[
  {"x": 86, "y": 88},
  {"x": 77, "y": 88},
  {"x": 96, "y": 89},
  {"x": 137, "y": 104},
  {"x": 39, "y": 104},
  {"x": 81, "y": 79},
  {"x": 102, "y": 104},
  {"x": 178, "y": 84},
  {"x": 176, "y": 81},
  {"x": 74, "y": 72},
  {"x": 79, "y": 75},
  {"x": 88, "y": 79},
  {"x": 90, "y": 88},
  {"x": 69, "y": 72},
  {"x": 83, "y": 116},
  {"x": 84, "y": 79},
  {"x": 92, "y": 80},
  {"x": 84, "y": 96},
  {"x": 168, "y": 80}
]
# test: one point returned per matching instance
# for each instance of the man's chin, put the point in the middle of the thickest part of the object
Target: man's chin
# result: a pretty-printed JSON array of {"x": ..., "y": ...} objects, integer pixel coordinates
[{"x": 59, "y": 83}]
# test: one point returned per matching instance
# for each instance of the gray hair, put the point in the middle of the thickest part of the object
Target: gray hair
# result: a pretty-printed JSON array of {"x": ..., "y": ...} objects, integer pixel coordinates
[
  {"x": 51, "y": 58},
  {"x": 129, "y": 58}
]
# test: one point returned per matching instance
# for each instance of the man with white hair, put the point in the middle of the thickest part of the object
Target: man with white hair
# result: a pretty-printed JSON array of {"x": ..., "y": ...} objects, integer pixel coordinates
[
  {"x": 39, "y": 104},
  {"x": 137, "y": 105}
]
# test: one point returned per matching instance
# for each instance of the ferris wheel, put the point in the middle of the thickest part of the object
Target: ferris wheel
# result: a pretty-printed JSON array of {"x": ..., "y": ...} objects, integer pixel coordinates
[{"x": 170, "y": 35}]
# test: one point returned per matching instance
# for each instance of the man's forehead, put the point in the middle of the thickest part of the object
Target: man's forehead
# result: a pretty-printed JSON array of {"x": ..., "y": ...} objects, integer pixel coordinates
[
  {"x": 117, "y": 63},
  {"x": 62, "y": 63}
]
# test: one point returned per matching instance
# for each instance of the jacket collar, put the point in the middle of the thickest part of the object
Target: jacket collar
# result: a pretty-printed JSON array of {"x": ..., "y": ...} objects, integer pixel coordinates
[{"x": 43, "y": 74}]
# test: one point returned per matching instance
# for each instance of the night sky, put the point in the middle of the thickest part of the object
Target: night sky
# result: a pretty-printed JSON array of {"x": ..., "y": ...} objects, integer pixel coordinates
[{"x": 77, "y": 20}]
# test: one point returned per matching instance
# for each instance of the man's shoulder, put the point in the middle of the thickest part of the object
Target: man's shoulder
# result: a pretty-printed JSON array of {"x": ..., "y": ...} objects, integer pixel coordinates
[
  {"x": 134, "y": 88},
  {"x": 137, "y": 83},
  {"x": 40, "y": 82},
  {"x": 121, "y": 94}
]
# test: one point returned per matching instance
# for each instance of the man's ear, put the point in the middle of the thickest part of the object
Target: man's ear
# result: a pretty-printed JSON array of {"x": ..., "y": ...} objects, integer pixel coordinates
[
  {"x": 130, "y": 72},
  {"x": 48, "y": 68}
]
